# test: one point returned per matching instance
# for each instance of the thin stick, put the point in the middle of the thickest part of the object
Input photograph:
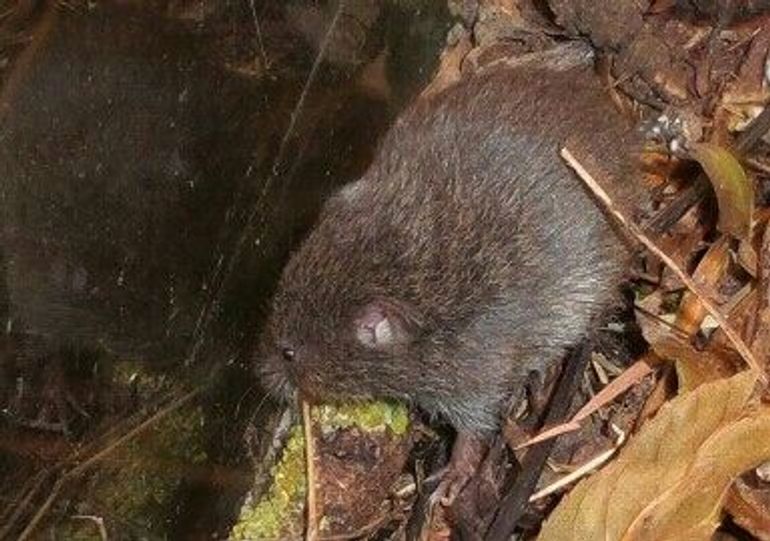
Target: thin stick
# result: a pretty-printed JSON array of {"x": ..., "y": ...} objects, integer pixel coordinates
[
  {"x": 586, "y": 469},
  {"x": 98, "y": 522},
  {"x": 16, "y": 511},
  {"x": 43, "y": 509},
  {"x": 131, "y": 434},
  {"x": 312, "y": 502},
  {"x": 637, "y": 233},
  {"x": 630, "y": 377},
  {"x": 512, "y": 507},
  {"x": 258, "y": 30}
]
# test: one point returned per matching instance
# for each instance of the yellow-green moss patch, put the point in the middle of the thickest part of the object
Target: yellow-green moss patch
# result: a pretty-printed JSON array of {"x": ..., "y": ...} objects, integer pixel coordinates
[
  {"x": 370, "y": 416},
  {"x": 282, "y": 506},
  {"x": 134, "y": 490}
]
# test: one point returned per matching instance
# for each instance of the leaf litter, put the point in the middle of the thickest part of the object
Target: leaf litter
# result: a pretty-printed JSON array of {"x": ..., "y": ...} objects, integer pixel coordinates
[{"x": 689, "y": 459}]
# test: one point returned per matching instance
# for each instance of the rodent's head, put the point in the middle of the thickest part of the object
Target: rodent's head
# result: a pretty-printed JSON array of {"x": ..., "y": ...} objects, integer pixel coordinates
[
  {"x": 340, "y": 325},
  {"x": 331, "y": 352}
]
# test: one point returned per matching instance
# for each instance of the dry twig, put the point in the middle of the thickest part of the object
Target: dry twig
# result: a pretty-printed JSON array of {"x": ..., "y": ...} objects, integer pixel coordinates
[
  {"x": 586, "y": 469},
  {"x": 312, "y": 501},
  {"x": 631, "y": 376},
  {"x": 637, "y": 233}
]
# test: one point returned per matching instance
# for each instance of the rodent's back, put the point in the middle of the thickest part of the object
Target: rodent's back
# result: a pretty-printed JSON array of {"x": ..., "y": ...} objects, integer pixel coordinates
[
  {"x": 474, "y": 175},
  {"x": 479, "y": 168}
]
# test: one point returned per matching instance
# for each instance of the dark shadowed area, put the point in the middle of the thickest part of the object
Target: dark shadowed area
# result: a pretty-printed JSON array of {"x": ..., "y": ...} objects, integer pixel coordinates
[{"x": 159, "y": 161}]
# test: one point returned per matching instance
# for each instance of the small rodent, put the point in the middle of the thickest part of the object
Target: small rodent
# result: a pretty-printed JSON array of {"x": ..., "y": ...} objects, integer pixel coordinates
[{"x": 467, "y": 256}]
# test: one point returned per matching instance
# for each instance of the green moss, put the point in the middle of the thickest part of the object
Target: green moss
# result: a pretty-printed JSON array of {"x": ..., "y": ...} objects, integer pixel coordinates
[
  {"x": 282, "y": 506},
  {"x": 78, "y": 530},
  {"x": 371, "y": 416},
  {"x": 152, "y": 469},
  {"x": 135, "y": 489},
  {"x": 279, "y": 513}
]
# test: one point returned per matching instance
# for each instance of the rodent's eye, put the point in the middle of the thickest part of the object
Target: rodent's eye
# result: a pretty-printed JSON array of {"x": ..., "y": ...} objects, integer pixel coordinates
[{"x": 288, "y": 354}]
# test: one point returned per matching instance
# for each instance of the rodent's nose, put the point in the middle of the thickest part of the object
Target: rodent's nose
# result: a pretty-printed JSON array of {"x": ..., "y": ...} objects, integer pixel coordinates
[{"x": 275, "y": 374}]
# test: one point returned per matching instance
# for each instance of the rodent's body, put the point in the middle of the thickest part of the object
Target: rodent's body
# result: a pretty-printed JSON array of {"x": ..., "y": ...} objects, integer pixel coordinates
[{"x": 466, "y": 257}]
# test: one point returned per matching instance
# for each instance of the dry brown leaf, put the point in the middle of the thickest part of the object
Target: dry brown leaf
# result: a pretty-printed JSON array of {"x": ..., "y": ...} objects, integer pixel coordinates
[
  {"x": 636, "y": 233},
  {"x": 745, "y": 94},
  {"x": 749, "y": 505},
  {"x": 693, "y": 366},
  {"x": 669, "y": 482},
  {"x": 709, "y": 272},
  {"x": 735, "y": 193}
]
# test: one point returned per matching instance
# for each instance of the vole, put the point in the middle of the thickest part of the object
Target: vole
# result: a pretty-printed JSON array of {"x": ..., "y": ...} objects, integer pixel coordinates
[{"x": 466, "y": 257}]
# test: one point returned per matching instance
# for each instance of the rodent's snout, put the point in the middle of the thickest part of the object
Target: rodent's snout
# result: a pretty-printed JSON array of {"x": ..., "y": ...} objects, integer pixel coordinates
[
  {"x": 285, "y": 372},
  {"x": 274, "y": 369}
]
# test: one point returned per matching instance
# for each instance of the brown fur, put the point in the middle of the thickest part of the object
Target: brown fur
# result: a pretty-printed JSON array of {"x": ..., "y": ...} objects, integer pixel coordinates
[{"x": 470, "y": 239}]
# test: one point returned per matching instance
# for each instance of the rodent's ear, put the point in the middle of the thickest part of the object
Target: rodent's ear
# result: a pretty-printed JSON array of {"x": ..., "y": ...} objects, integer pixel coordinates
[{"x": 381, "y": 325}]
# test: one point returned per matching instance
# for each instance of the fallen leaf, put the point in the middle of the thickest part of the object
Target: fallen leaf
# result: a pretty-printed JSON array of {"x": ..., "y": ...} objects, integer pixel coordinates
[
  {"x": 760, "y": 334},
  {"x": 745, "y": 94},
  {"x": 691, "y": 508},
  {"x": 735, "y": 194},
  {"x": 670, "y": 481},
  {"x": 708, "y": 273},
  {"x": 747, "y": 257},
  {"x": 749, "y": 505},
  {"x": 693, "y": 366}
]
